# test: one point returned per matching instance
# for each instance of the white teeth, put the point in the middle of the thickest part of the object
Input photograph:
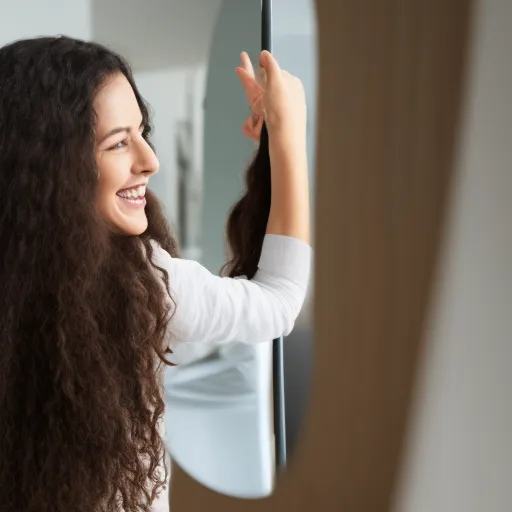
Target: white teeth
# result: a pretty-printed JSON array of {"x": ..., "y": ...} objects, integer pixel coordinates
[{"x": 133, "y": 193}]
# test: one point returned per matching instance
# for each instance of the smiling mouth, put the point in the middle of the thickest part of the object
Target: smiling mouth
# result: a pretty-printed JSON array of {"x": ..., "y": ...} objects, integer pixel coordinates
[{"x": 134, "y": 196}]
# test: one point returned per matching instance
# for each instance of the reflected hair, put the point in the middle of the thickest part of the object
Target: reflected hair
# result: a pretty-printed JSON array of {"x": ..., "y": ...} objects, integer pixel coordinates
[
  {"x": 247, "y": 221},
  {"x": 83, "y": 312}
]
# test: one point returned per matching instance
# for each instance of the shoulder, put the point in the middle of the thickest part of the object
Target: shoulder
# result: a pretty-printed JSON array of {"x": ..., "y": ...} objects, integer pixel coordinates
[
  {"x": 181, "y": 272},
  {"x": 158, "y": 253}
]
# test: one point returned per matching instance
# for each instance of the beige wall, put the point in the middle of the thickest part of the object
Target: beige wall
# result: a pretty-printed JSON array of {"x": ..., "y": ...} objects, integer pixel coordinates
[{"x": 460, "y": 455}]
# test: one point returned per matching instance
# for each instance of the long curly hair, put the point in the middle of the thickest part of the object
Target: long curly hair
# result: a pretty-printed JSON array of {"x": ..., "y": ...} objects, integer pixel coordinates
[{"x": 84, "y": 312}]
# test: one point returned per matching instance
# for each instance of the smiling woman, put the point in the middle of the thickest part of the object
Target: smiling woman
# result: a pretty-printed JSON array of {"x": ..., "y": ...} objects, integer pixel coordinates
[{"x": 125, "y": 158}]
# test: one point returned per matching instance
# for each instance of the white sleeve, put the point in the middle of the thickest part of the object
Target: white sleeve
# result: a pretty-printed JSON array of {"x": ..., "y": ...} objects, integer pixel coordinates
[{"x": 213, "y": 309}]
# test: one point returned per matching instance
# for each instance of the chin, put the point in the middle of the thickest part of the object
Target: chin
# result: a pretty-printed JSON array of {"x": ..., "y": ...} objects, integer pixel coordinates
[
  {"x": 136, "y": 230},
  {"x": 133, "y": 228}
]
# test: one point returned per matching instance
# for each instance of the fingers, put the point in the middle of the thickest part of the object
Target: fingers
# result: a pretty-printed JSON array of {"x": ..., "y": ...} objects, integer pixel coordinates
[
  {"x": 252, "y": 88},
  {"x": 271, "y": 68},
  {"x": 252, "y": 127},
  {"x": 249, "y": 72},
  {"x": 245, "y": 77},
  {"x": 247, "y": 64}
]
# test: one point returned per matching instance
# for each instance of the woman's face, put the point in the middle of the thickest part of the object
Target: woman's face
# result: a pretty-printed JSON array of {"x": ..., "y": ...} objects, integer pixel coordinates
[{"x": 125, "y": 160}]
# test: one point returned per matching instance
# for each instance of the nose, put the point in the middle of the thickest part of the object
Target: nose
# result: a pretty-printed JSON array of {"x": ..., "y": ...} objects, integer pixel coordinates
[{"x": 146, "y": 161}]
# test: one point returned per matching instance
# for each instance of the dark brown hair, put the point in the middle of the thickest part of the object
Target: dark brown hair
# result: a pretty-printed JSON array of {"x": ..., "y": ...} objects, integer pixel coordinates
[
  {"x": 83, "y": 313},
  {"x": 247, "y": 222}
]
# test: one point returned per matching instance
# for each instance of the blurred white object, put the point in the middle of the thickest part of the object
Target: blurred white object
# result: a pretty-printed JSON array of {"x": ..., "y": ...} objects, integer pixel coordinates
[{"x": 219, "y": 419}]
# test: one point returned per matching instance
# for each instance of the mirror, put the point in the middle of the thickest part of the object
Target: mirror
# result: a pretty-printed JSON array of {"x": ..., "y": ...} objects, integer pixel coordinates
[
  {"x": 225, "y": 413},
  {"x": 230, "y": 424},
  {"x": 218, "y": 400}
]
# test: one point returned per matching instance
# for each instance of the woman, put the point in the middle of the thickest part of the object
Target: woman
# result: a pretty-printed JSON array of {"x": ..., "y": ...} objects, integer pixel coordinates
[{"x": 93, "y": 294}]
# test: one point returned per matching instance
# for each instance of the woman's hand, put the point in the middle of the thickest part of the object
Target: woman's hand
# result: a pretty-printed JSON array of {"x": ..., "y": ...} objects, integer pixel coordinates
[
  {"x": 277, "y": 98},
  {"x": 254, "y": 93}
]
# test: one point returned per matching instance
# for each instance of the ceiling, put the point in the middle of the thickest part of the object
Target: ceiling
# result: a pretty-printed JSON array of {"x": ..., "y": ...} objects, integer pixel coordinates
[{"x": 156, "y": 34}]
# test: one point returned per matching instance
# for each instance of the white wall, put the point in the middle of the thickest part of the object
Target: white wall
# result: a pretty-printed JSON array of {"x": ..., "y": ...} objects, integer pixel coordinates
[
  {"x": 34, "y": 18},
  {"x": 460, "y": 450},
  {"x": 181, "y": 29}
]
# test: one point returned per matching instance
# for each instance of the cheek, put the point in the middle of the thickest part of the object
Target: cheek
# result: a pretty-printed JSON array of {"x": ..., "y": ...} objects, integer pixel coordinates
[
  {"x": 113, "y": 174},
  {"x": 109, "y": 182}
]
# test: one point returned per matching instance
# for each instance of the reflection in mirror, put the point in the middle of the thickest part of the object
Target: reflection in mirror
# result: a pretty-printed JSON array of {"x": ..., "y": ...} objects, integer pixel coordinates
[
  {"x": 222, "y": 433},
  {"x": 88, "y": 296},
  {"x": 229, "y": 388}
]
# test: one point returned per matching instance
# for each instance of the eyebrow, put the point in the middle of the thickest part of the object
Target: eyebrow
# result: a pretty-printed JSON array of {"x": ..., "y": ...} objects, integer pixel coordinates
[{"x": 121, "y": 129}]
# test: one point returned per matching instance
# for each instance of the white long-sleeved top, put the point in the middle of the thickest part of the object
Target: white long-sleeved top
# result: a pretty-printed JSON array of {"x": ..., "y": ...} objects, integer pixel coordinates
[{"x": 212, "y": 309}]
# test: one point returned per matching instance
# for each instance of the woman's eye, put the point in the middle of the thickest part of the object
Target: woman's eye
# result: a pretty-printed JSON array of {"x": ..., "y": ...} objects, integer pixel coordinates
[{"x": 119, "y": 145}]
